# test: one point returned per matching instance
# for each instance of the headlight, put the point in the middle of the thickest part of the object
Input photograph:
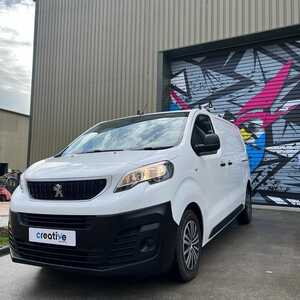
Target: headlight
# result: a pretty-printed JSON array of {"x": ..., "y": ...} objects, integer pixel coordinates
[
  {"x": 153, "y": 173},
  {"x": 22, "y": 183}
]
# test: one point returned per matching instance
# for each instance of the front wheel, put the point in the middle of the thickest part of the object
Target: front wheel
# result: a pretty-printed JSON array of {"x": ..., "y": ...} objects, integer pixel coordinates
[
  {"x": 188, "y": 247},
  {"x": 245, "y": 216}
]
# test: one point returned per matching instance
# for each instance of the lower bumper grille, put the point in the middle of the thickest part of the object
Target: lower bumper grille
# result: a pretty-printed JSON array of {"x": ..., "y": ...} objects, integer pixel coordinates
[
  {"x": 124, "y": 250},
  {"x": 56, "y": 255},
  {"x": 124, "y": 247}
]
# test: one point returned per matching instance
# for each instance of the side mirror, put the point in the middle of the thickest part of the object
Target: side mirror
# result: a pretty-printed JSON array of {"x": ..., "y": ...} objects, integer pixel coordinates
[{"x": 211, "y": 143}]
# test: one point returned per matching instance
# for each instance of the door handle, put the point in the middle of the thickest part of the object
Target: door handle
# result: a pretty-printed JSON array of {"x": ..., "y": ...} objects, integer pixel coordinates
[
  {"x": 222, "y": 164},
  {"x": 229, "y": 163}
]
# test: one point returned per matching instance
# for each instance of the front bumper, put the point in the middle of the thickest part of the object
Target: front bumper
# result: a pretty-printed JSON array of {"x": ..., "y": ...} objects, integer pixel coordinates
[{"x": 141, "y": 241}]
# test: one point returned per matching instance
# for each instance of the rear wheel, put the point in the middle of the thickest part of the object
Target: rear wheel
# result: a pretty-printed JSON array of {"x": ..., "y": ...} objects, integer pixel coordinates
[
  {"x": 245, "y": 216},
  {"x": 188, "y": 248}
]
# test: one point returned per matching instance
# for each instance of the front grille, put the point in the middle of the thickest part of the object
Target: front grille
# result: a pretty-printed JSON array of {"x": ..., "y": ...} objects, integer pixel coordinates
[
  {"x": 58, "y": 255},
  {"x": 56, "y": 221},
  {"x": 66, "y": 190}
]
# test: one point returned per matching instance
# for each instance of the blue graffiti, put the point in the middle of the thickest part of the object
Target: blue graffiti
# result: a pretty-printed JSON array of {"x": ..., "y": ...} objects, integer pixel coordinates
[
  {"x": 173, "y": 106},
  {"x": 256, "y": 151}
]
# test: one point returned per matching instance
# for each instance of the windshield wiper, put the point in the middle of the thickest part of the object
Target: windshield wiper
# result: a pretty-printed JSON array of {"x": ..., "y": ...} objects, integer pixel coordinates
[
  {"x": 99, "y": 151},
  {"x": 153, "y": 148},
  {"x": 133, "y": 149}
]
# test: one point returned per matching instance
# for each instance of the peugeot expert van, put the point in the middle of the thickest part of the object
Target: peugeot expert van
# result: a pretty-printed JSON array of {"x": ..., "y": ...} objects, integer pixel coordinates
[{"x": 136, "y": 195}]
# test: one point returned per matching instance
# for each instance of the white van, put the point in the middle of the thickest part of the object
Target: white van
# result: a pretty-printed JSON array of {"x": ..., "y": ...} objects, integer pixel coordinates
[{"x": 141, "y": 194}]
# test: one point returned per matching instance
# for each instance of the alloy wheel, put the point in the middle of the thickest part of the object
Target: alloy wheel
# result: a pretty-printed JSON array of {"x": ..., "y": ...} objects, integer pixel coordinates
[{"x": 191, "y": 245}]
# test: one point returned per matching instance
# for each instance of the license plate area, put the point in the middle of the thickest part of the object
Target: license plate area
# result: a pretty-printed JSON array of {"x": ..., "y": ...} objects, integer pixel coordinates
[{"x": 52, "y": 236}]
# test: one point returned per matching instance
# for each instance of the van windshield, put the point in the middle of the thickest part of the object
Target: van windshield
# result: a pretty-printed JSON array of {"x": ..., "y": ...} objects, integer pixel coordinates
[{"x": 145, "y": 132}]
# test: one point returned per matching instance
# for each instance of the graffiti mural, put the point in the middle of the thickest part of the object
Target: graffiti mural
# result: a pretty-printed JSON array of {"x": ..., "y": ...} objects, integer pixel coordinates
[{"x": 258, "y": 89}]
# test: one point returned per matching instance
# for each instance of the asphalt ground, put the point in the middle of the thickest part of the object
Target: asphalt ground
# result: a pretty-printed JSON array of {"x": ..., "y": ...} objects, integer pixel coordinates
[{"x": 257, "y": 261}]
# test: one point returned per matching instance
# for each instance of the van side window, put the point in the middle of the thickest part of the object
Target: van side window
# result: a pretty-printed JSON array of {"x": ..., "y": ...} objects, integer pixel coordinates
[{"x": 202, "y": 127}]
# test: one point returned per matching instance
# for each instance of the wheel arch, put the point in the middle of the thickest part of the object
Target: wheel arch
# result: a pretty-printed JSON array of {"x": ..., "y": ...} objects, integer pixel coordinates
[{"x": 190, "y": 195}]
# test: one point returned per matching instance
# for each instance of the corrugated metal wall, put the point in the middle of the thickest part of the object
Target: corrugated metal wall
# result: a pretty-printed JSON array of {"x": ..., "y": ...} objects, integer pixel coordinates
[
  {"x": 257, "y": 87},
  {"x": 14, "y": 129},
  {"x": 97, "y": 59}
]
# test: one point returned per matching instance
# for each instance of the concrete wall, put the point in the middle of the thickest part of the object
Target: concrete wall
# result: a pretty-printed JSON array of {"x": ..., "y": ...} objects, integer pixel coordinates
[
  {"x": 98, "y": 59},
  {"x": 13, "y": 139}
]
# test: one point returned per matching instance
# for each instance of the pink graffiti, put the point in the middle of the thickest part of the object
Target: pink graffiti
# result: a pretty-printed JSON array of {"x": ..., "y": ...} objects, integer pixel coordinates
[
  {"x": 265, "y": 99},
  {"x": 181, "y": 103},
  {"x": 267, "y": 118}
]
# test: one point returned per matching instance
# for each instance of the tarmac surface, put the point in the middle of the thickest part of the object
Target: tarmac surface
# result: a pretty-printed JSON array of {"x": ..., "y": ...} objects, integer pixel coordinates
[{"x": 257, "y": 261}]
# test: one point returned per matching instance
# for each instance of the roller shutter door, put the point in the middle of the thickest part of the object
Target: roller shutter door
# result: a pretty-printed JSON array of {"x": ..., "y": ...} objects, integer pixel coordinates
[{"x": 258, "y": 88}]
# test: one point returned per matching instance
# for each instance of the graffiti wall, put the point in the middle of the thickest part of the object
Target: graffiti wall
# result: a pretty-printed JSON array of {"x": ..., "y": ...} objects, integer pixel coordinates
[{"x": 258, "y": 89}]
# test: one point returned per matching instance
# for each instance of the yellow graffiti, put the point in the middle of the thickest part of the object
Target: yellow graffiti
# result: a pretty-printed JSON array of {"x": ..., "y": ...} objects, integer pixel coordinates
[{"x": 246, "y": 135}]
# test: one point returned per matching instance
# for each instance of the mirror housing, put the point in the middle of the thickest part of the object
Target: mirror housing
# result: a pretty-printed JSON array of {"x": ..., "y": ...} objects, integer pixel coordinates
[{"x": 210, "y": 145}]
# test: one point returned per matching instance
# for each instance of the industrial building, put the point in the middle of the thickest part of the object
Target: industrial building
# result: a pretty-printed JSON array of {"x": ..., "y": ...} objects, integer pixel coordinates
[
  {"x": 14, "y": 140},
  {"x": 100, "y": 59}
]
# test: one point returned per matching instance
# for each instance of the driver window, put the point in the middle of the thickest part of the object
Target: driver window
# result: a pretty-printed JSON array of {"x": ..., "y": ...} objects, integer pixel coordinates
[{"x": 202, "y": 127}]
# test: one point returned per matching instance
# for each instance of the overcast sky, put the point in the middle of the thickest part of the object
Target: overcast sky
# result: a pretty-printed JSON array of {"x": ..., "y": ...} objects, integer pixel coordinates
[{"x": 16, "y": 40}]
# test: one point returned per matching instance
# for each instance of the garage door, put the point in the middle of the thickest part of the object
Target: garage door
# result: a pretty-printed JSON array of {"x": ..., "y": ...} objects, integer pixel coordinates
[{"x": 257, "y": 88}]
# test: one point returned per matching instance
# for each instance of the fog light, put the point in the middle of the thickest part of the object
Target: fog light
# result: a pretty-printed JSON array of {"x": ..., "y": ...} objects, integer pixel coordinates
[{"x": 147, "y": 245}]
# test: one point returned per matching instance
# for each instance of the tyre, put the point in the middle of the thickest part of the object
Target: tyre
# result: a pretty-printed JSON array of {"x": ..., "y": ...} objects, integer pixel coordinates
[
  {"x": 188, "y": 247},
  {"x": 245, "y": 216}
]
